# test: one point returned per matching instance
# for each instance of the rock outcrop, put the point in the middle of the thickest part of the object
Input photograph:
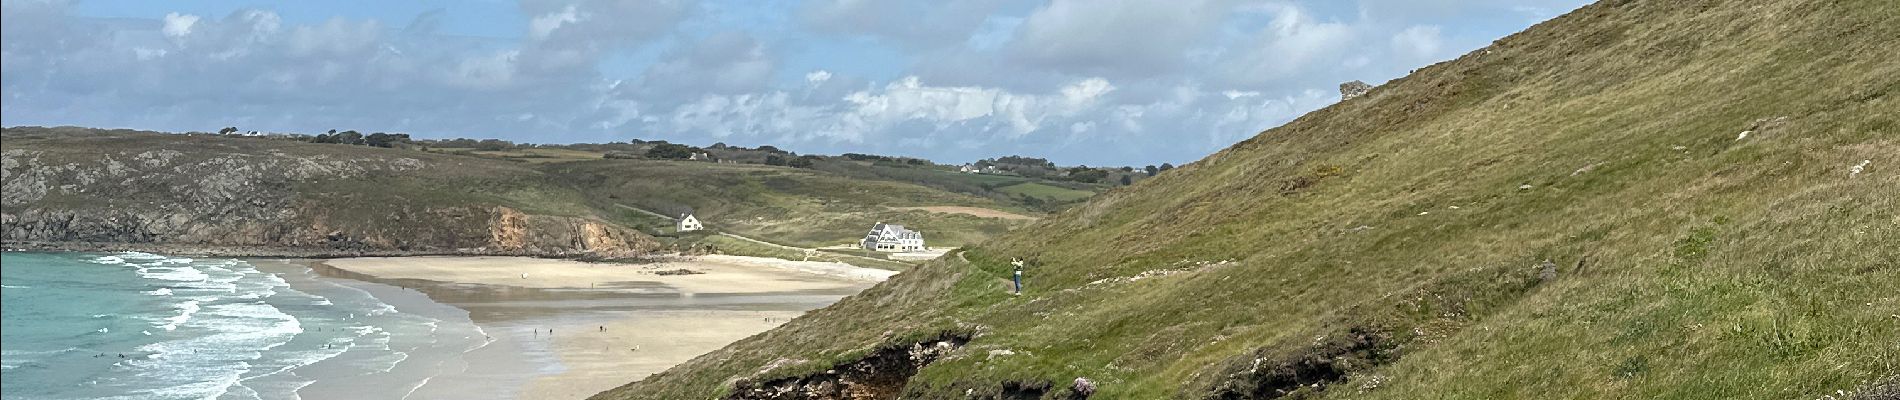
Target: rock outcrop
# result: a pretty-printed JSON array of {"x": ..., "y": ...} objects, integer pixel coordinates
[{"x": 1352, "y": 90}]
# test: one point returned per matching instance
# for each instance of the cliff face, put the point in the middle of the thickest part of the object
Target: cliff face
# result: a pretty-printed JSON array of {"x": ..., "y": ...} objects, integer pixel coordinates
[{"x": 89, "y": 190}]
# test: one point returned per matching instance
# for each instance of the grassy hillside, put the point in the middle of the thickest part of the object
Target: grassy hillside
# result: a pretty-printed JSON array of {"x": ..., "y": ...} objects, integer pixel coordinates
[
  {"x": 74, "y": 187},
  {"x": 70, "y": 187},
  {"x": 1640, "y": 199},
  {"x": 786, "y": 205}
]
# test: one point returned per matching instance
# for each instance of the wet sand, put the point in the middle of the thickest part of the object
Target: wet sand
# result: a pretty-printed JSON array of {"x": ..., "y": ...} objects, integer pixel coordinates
[{"x": 653, "y": 318}]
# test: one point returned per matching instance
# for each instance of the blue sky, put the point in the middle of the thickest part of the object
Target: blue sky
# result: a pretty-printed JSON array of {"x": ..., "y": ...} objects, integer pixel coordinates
[{"x": 1130, "y": 82}]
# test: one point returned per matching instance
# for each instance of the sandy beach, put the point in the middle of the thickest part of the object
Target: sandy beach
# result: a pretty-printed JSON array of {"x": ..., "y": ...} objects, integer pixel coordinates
[{"x": 598, "y": 325}]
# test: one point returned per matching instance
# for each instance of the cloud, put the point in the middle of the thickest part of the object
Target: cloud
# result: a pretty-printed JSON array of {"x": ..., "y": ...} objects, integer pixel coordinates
[
  {"x": 1132, "y": 82},
  {"x": 601, "y": 24},
  {"x": 542, "y": 25},
  {"x": 819, "y": 76},
  {"x": 1293, "y": 43},
  {"x": 177, "y": 26},
  {"x": 915, "y": 23},
  {"x": 1131, "y": 38},
  {"x": 723, "y": 63}
]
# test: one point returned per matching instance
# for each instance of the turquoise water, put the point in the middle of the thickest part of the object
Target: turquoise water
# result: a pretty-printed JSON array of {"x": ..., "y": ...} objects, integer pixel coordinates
[{"x": 145, "y": 326}]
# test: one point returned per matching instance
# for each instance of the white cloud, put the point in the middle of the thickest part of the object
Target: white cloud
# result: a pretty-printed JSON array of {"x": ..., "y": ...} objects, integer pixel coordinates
[
  {"x": 723, "y": 63},
  {"x": 911, "y": 23},
  {"x": 542, "y": 25},
  {"x": 1130, "y": 38},
  {"x": 1096, "y": 82},
  {"x": 178, "y": 25}
]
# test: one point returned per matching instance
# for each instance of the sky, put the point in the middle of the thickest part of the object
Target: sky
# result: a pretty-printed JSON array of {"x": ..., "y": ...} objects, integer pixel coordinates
[{"x": 1107, "y": 83}]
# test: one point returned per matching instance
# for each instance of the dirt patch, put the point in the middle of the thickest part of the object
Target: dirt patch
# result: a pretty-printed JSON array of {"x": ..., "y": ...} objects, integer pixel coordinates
[
  {"x": 879, "y": 375},
  {"x": 972, "y": 211},
  {"x": 1023, "y": 390}
]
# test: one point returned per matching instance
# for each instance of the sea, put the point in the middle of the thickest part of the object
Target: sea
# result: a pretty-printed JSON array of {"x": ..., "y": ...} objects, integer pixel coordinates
[{"x": 146, "y": 326}]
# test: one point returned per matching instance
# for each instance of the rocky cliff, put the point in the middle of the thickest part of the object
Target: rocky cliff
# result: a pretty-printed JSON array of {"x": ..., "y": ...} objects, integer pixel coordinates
[{"x": 83, "y": 189}]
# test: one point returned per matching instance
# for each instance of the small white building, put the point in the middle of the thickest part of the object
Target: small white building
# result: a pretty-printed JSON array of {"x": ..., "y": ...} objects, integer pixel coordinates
[
  {"x": 688, "y": 223},
  {"x": 973, "y": 169},
  {"x": 893, "y": 238}
]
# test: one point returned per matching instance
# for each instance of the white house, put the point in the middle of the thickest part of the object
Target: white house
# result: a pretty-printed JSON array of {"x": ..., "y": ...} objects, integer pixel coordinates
[
  {"x": 893, "y": 238},
  {"x": 688, "y": 223},
  {"x": 973, "y": 169}
]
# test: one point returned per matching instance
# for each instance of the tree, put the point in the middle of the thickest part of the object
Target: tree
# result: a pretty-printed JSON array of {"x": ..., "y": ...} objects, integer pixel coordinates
[
  {"x": 380, "y": 139},
  {"x": 773, "y": 150},
  {"x": 1128, "y": 180},
  {"x": 775, "y": 160},
  {"x": 1165, "y": 167},
  {"x": 228, "y": 130},
  {"x": 348, "y": 137},
  {"x": 1151, "y": 170},
  {"x": 1128, "y": 169},
  {"x": 1025, "y": 161},
  {"x": 719, "y": 146},
  {"x": 669, "y": 151},
  {"x": 803, "y": 161},
  {"x": 493, "y": 145},
  {"x": 1087, "y": 175}
]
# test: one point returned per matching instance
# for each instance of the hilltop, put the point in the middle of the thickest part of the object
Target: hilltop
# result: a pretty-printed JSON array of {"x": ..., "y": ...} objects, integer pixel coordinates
[
  {"x": 1639, "y": 199},
  {"x": 70, "y": 188},
  {"x": 350, "y": 194}
]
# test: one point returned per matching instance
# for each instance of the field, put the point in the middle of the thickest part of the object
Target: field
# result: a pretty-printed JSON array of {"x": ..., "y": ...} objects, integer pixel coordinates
[
  {"x": 450, "y": 199},
  {"x": 785, "y": 205},
  {"x": 529, "y": 155},
  {"x": 1043, "y": 191}
]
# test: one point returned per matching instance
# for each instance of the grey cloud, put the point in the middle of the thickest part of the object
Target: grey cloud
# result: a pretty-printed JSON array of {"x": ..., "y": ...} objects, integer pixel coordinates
[
  {"x": 251, "y": 69},
  {"x": 1124, "y": 39},
  {"x": 601, "y": 24},
  {"x": 722, "y": 63},
  {"x": 916, "y": 23},
  {"x": 572, "y": 36},
  {"x": 1135, "y": 82}
]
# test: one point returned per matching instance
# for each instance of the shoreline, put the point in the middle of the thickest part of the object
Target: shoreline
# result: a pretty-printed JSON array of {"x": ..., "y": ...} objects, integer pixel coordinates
[{"x": 612, "y": 324}]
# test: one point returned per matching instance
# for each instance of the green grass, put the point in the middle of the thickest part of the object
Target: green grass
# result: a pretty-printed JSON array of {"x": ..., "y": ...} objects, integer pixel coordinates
[
  {"x": 529, "y": 155},
  {"x": 784, "y": 205},
  {"x": 277, "y": 194},
  {"x": 1691, "y": 265},
  {"x": 1042, "y": 191},
  {"x": 453, "y": 198},
  {"x": 726, "y": 245}
]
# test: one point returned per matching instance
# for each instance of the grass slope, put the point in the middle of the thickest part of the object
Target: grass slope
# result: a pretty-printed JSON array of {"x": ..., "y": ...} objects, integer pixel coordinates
[
  {"x": 144, "y": 187},
  {"x": 785, "y": 205},
  {"x": 1392, "y": 246},
  {"x": 234, "y": 191}
]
